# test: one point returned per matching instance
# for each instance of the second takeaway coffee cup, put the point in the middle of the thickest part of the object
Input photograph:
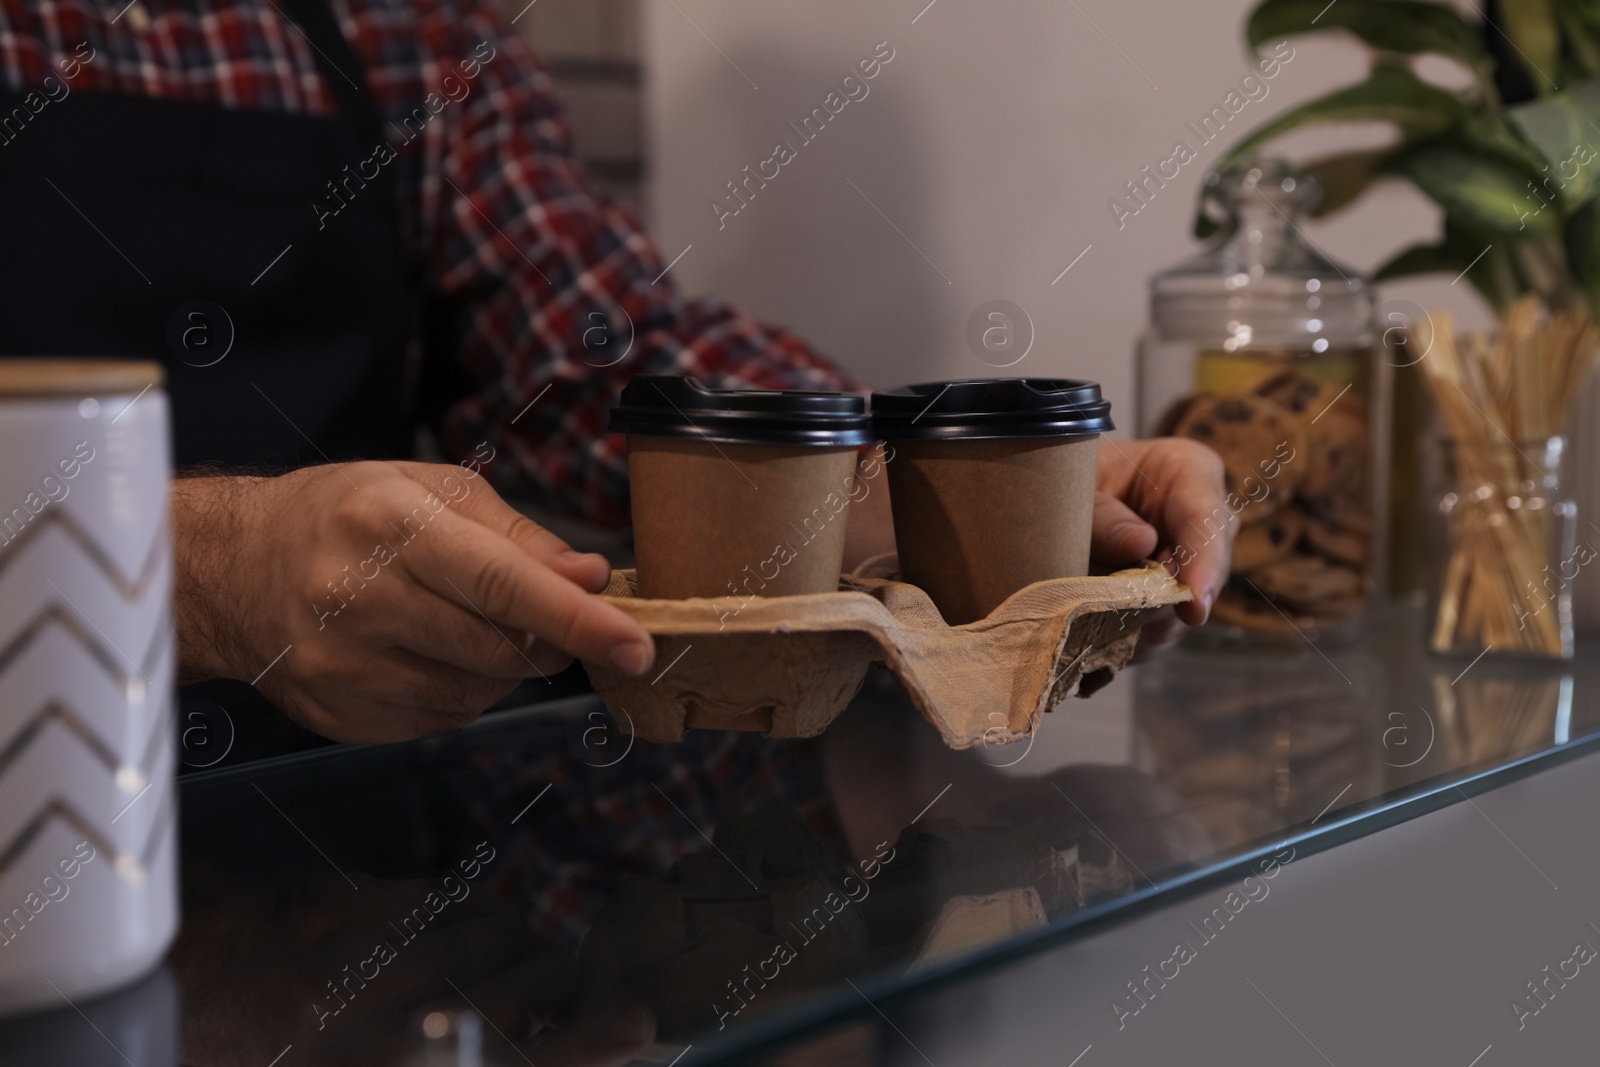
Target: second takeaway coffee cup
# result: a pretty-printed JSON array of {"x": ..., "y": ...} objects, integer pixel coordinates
[
  {"x": 738, "y": 492},
  {"x": 992, "y": 483}
]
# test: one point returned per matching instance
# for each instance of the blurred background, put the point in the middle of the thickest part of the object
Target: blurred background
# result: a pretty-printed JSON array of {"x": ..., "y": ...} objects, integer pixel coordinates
[
  {"x": 982, "y": 164},
  {"x": 994, "y": 141}
]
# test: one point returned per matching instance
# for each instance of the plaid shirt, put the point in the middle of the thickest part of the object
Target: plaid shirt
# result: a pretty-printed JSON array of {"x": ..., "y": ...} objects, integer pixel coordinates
[{"x": 550, "y": 282}]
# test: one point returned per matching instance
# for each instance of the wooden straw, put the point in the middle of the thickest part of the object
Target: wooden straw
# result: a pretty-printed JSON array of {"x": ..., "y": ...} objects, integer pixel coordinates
[{"x": 1494, "y": 399}]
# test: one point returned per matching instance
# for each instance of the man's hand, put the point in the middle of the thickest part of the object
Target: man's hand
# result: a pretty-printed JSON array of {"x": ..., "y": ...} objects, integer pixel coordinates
[
  {"x": 403, "y": 598},
  {"x": 1166, "y": 493}
]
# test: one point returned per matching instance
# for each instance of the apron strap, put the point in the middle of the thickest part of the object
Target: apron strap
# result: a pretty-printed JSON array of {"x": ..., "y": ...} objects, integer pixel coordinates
[
  {"x": 429, "y": 378},
  {"x": 433, "y": 379},
  {"x": 341, "y": 68}
]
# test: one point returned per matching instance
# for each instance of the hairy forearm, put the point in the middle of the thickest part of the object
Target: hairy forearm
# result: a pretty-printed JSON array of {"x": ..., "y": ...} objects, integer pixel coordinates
[{"x": 208, "y": 540}]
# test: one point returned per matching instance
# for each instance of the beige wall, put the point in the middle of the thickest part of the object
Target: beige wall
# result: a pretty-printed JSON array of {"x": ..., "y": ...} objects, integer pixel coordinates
[{"x": 993, "y": 141}]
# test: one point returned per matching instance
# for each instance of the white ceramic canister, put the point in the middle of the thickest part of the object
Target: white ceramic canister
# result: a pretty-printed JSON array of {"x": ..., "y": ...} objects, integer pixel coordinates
[{"x": 88, "y": 828}]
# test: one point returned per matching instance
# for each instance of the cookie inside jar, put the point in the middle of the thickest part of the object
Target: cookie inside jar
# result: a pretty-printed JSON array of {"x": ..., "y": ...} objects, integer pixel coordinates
[{"x": 1295, "y": 437}]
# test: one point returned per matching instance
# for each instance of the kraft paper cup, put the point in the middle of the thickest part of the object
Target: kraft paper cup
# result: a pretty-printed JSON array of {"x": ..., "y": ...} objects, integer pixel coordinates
[
  {"x": 992, "y": 485},
  {"x": 738, "y": 493}
]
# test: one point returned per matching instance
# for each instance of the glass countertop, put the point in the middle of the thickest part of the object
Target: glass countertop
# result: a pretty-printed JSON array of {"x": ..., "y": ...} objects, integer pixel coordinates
[{"x": 511, "y": 893}]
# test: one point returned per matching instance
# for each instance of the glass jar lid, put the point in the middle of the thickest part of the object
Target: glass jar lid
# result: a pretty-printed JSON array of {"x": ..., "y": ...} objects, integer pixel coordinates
[{"x": 1261, "y": 282}]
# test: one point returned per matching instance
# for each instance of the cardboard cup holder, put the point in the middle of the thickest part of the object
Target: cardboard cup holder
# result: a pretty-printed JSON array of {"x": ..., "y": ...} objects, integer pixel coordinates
[{"x": 787, "y": 666}]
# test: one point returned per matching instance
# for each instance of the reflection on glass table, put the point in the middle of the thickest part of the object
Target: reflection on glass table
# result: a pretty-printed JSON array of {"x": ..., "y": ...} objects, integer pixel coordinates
[
  {"x": 543, "y": 888},
  {"x": 1255, "y": 750},
  {"x": 341, "y": 901}
]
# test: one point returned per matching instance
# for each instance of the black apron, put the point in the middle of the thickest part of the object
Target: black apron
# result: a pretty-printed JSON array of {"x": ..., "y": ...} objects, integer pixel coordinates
[
  {"x": 128, "y": 222},
  {"x": 120, "y": 215}
]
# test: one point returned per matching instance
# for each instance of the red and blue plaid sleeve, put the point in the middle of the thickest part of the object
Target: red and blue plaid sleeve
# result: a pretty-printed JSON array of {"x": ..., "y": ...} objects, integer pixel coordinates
[{"x": 559, "y": 298}]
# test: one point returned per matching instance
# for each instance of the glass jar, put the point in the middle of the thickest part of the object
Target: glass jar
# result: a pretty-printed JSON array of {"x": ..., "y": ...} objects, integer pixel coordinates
[
  {"x": 1265, "y": 350},
  {"x": 1504, "y": 540}
]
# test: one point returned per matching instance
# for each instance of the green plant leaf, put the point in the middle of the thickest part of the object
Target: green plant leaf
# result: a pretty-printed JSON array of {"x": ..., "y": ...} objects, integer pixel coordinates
[
  {"x": 1452, "y": 253},
  {"x": 1344, "y": 177},
  {"x": 1580, "y": 19},
  {"x": 1479, "y": 190},
  {"x": 1542, "y": 266},
  {"x": 1581, "y": 237},
  {"x": 1486, "y": 264},
  {"x": 1530, "y": 26},
  {"x": 1390, "y": 94},
  {"x": 1421, "y": 259},
  {"x": 1405, "y": 26},
  {"x": 1494, "y": 132},
  {"x": 1565, "y": 128}
]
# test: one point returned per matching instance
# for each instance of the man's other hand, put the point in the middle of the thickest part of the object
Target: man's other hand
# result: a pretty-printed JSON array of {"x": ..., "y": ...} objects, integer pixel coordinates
[{"x": 1168, "y": 495}]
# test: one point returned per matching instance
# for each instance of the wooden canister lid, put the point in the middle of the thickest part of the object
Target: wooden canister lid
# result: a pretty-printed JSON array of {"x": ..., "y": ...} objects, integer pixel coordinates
[{"x": 76, "y": 377}]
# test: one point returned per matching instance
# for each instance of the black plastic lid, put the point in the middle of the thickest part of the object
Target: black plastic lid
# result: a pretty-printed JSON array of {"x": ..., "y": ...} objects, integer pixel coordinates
[
  {"x": 991, "y": 407},
  {"x": 672, "y": 406}
]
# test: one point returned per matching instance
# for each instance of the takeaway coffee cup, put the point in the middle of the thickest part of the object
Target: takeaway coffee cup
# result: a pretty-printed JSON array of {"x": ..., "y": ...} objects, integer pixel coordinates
[
  {"x": 738, "y": 492},
  {"x": 992, "y": 484}
]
